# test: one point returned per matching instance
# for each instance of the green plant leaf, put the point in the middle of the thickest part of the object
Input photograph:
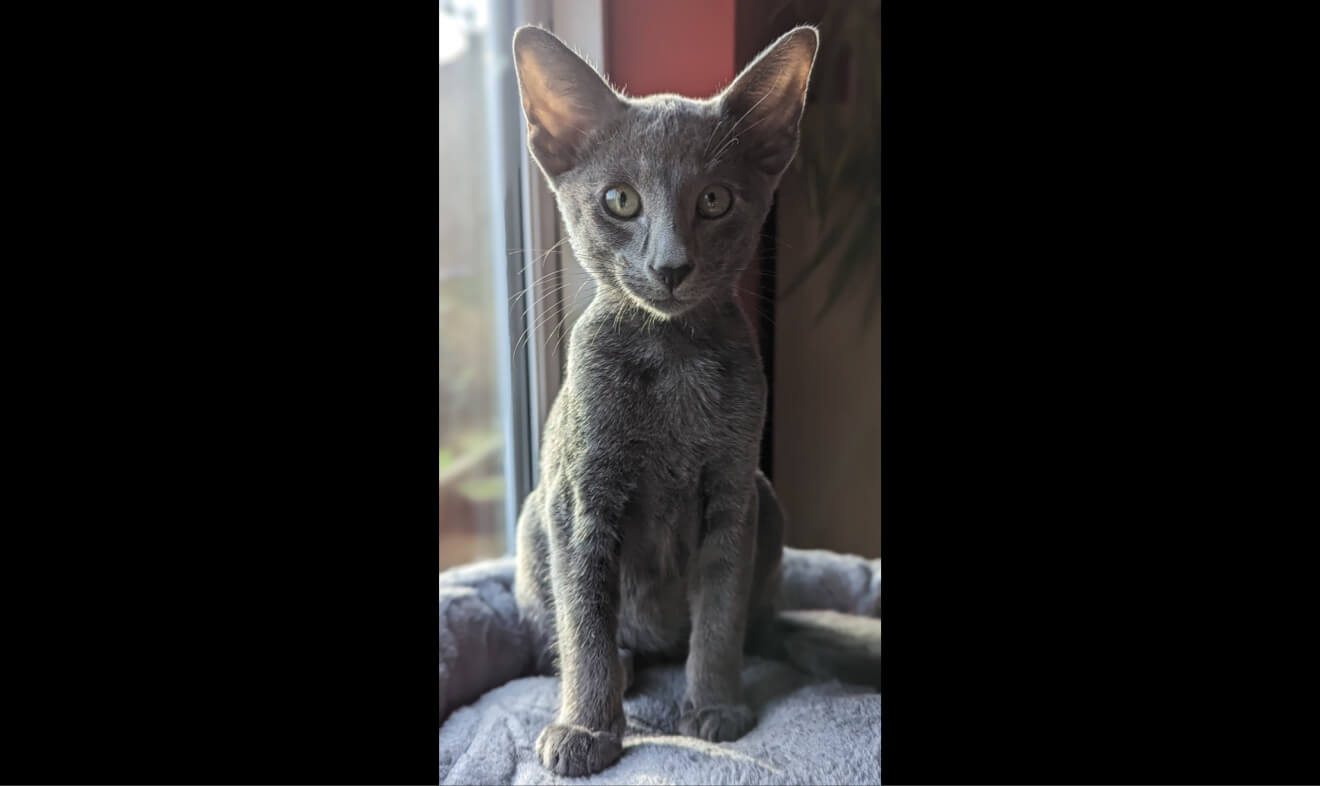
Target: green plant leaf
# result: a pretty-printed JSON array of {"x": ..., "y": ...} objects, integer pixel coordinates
[
  {"x": 830, "y": 238},
  {"x": 483, "y": 489},
  {"x": 856, "y": 256}
]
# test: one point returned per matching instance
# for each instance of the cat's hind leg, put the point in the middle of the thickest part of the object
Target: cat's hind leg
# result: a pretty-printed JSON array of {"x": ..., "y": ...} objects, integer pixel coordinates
[{"x": 626, "y": 662}]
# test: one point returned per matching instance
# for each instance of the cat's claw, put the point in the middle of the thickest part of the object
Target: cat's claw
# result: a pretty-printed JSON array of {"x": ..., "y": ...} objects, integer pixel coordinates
[
  {"x": 716, "y": 722},
  {"x": 574, "y": 751}
]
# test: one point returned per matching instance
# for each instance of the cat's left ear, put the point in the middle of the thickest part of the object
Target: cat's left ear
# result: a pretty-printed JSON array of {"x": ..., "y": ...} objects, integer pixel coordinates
[
  {"x": 763, "y": 107},
  {"x": 566, "y": 102}
]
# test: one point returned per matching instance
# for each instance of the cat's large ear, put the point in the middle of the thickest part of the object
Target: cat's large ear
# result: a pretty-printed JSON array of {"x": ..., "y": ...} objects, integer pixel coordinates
[
  {"x": 566, "y": 102},
  {"x": 763, "y": 106}
]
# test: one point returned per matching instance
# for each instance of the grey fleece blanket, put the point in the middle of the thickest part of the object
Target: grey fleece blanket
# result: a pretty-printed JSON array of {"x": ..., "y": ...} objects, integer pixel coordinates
[{"x": 807, "y": 731}]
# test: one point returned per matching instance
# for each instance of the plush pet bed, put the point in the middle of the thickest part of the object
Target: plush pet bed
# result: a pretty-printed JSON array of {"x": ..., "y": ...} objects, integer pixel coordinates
[{"x": 808, "y": 731}]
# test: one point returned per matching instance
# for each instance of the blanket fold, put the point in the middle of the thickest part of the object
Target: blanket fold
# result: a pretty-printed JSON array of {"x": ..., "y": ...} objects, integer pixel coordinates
[{"x": 808, "y": 730}]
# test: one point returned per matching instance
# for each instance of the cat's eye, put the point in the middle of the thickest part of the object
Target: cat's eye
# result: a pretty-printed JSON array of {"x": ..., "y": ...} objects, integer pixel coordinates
[
  {"x": 622, "y": 201},
  {"x": 714, "y": 201}
]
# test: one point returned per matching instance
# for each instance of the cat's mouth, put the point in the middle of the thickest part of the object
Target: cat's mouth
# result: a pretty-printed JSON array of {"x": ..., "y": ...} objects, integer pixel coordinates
[{"x": 665, "y": 305}]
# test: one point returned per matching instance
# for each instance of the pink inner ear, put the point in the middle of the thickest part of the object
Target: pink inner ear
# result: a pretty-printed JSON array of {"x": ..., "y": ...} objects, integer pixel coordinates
[
  {"x": 543, "y": 106},
  {"x": 767, "y": 98},
  {"x": 780, "y": 74},
  {"x": 563, "y": 98}
]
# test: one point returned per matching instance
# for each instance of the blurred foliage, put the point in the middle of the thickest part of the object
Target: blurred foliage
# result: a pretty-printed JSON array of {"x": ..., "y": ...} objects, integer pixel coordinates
[
  {"x": 467, "y": 353},
  {"x": 470, "y": 434},
  {"x": 485, "y": 488},
  {"x": 840, "y": 152}
]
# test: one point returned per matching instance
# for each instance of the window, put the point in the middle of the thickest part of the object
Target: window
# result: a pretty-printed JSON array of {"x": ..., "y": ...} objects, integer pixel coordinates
[
  {"x": 484, "y": 467},
  {"x": 510, "y": 289}
]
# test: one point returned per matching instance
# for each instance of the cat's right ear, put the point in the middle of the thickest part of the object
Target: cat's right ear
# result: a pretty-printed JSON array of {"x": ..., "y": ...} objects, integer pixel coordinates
[{"x": 564, "y": 99}]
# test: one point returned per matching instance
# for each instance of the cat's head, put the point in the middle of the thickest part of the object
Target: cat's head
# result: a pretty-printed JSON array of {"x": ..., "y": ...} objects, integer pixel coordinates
[{"x": 664, "y": 196}]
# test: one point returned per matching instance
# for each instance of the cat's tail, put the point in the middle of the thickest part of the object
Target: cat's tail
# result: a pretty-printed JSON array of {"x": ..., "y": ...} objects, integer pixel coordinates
[{"x": 827, "y": 644}]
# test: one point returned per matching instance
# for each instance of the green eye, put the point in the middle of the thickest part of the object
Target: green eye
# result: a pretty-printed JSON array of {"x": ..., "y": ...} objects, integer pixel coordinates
[
  {"x": 714, "y": 201},
  {"x": 622, "y": 201}
]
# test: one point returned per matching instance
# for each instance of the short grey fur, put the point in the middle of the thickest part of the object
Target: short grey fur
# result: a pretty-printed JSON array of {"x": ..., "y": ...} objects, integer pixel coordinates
[{"x": 651, "y": 534}]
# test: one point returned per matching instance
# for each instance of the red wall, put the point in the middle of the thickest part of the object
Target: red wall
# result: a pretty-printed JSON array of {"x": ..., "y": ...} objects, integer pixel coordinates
[{"x": 669, "y": 46}]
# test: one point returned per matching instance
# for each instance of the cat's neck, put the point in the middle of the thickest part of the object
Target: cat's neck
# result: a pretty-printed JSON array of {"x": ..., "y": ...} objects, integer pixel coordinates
[{"x": 703, "y": 318}]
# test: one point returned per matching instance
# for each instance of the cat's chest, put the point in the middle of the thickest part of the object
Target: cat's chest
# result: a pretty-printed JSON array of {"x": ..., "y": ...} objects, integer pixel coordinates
[
  {"x": 660, "y": 540},
  {"x": 681, "y": 394}
]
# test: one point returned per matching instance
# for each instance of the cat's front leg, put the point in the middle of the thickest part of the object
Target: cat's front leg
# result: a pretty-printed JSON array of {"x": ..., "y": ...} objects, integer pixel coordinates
[
  {"x": 712, "y": 706},
  {"x": 587, "y": 735}
]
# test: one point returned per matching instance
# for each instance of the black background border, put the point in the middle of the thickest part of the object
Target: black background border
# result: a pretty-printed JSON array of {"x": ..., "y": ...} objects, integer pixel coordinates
[{"x": 244, "y": 589}]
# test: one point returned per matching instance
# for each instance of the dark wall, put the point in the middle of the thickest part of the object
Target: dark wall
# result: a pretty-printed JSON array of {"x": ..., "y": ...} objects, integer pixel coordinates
[{"x": 824, "y": 433}]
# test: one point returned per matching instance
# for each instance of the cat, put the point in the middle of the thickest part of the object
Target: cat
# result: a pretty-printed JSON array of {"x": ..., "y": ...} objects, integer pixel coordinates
[{"x": 652, "y": 533}]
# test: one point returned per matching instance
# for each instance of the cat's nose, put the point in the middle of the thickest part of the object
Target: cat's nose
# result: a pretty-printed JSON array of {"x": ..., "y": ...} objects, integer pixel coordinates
[{"x": 672, "y": 271}]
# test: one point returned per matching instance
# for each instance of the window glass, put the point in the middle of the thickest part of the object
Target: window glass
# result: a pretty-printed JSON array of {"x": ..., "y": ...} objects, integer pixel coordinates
[{"x": 474, "y": 483}]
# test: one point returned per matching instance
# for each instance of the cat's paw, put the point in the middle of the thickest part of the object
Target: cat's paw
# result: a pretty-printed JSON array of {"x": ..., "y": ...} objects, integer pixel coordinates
[
  {"x": 716, "y": 722},
  {"x": 575, "y": 751}
]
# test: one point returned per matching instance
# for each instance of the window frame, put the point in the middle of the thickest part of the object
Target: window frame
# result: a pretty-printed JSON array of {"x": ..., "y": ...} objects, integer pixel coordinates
[
  {"x": 532, "y": 265},
  {"x": 504, "y": 115},
  {"x": 551, "y": 276}
]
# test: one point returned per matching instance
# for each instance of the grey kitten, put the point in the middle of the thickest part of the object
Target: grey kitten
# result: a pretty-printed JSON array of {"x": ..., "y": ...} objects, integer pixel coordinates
[{"x": 651, "y": 533}]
